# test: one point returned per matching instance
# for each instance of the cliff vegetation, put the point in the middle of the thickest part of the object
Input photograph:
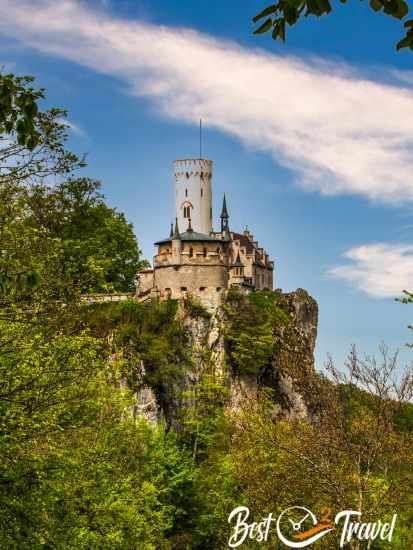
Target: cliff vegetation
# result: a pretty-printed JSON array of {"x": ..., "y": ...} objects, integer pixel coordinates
[{"x": 141, "y": 426}]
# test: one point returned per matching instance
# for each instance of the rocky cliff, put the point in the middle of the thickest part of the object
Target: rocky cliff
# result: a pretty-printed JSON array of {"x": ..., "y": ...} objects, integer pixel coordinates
[{"x": 285, "y": 357}]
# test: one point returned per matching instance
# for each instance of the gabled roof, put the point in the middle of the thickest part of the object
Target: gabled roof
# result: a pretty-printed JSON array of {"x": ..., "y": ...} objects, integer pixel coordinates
[
  {"x": 238, "y": 262},
  {"x": 244, "y": 241}
]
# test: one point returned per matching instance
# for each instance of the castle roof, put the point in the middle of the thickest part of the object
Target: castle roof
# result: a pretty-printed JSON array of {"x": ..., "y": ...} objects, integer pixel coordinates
[
  {"x": 238, "y": 262},
  {"x": 224, "y": 212},
  {"x": 192, "y": 236},
  {"x": 244, "y": 241}
]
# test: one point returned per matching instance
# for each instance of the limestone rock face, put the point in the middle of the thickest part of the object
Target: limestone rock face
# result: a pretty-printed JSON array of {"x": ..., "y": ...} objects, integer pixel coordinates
[{"x": 288, "y": 374}]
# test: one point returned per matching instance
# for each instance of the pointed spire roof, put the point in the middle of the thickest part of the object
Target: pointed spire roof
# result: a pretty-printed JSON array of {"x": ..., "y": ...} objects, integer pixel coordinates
[
  {"x": 224, "y": 212},
  {"x": 238, "y": 261},
  {"x": 176, "y": 232},
  {"x": 189, "y": 226},
  {"x": 171, "y": 233}
]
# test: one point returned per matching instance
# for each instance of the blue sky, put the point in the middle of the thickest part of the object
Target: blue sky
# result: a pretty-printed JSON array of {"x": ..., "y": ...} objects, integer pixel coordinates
[{"x": 312, "y": 141}]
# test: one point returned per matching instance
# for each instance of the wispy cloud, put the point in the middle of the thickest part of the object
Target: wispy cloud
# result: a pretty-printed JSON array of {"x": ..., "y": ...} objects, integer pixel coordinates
[
  {"x": 72, "y": 126},
  {"x": 339, "y": 132},
  {"x": 403, "y": 76},
  {"x": 380, "y": 270}
]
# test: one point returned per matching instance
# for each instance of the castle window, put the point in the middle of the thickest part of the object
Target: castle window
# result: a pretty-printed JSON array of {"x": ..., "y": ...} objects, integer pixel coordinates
[
  {"x": 191, "y": 252},
  {"x": 218, "y": 289},
  {"x": 201, "y": 288},
  {"x": 202, "y": 192},
  {"x": 187, "y": 212},
  {"x": 204, "y": 252},
  {"x": 218, "y": 250},
  {"x": 183, "y": 289},
  {"x": 186, "y": 192},
  {"x": 210, "y": 213}
]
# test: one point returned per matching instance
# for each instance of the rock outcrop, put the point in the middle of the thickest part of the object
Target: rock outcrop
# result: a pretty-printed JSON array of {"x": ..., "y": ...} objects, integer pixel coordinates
[{"x": 288, "y": 373}]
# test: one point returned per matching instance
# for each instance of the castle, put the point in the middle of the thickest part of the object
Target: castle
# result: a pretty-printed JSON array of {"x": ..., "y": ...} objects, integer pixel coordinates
[{"x": 196, "y": 260}]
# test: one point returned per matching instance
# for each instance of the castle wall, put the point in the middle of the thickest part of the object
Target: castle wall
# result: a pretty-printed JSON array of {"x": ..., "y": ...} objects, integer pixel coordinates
[
  {"x": 191, "y": 253},
  {"x": 146, "y": 281},
  {"x": 205, "y": 281},
  {"x": 263, "y": 278}
]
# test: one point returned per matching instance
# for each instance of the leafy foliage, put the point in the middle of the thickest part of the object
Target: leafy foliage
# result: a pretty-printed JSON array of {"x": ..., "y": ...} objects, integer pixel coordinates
[
  {"x": 276, "y": 17},
  {"x": 352, "y": 456},
  {"x": 250, "y": 335},
  {"x": 18, "y": 109},
  {"x": 195, "y": 309},
  {"x": 77, "y": 473},
  {"x": 79, "y": 468},
  {"x": 99, "y": 248}
]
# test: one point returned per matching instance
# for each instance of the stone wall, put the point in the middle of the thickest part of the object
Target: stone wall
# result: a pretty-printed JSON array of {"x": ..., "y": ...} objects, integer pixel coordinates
[
  {"x": 144, "y": 282},
  {"x": 200, "y": 280}
]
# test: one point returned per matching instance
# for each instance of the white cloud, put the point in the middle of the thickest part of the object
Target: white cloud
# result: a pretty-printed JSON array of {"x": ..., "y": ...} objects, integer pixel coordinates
[
  {"x": 339, "y": 132},
  {"x": 380, "y": 270},
  {"x": 403, "y": 76}
]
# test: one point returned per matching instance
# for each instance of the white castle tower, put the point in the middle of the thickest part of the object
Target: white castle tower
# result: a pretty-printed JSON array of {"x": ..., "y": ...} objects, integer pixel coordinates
[{"x": 193, "y": 192}]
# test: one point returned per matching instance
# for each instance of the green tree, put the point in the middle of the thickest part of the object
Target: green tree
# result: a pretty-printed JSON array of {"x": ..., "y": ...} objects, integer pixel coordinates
[
  {"x": 19, "y": 110},
  {"x": 56, "y": 241},
  {"x": 354, "y": 454},
  {"x": 77, "y": 470},
  {"x": 250, "y": 333},
  {"x": 100, "y": 251}
]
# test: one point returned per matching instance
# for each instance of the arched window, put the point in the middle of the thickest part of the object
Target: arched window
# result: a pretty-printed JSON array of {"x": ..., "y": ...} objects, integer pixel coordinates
[
  {"x": 186, "y": 209},
  {"x": 191, "y": 252},
  {"x": 204, "y": 252}
]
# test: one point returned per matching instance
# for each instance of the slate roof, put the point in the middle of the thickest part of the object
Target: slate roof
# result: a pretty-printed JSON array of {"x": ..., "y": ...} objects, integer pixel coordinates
[{"x": 192, "y": 236}]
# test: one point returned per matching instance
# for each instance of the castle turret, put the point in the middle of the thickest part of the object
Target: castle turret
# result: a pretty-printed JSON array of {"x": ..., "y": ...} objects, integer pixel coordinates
[
  {"x": 224, "y": 216},
  {"x": 176, "y": 245},
  {"x": 193, "y": 192}
]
